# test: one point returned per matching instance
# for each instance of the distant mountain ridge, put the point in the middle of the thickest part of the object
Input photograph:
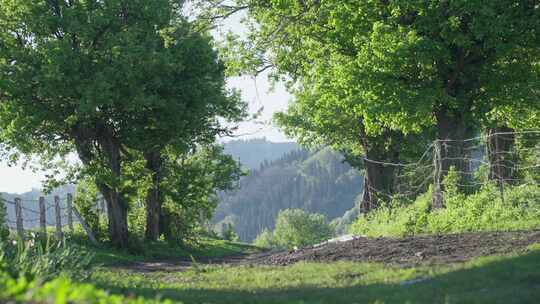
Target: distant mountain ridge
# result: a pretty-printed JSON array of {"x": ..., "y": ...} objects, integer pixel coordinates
[{"x": 253, "y": 152}]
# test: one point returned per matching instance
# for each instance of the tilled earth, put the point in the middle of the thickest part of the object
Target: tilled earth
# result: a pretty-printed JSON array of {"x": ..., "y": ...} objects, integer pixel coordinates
[
  {"x": 404, "y": 252},
  {"x": 433, "y": 249}
]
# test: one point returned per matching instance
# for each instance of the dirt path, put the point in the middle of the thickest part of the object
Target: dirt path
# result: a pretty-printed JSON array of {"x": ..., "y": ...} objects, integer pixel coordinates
[
  {"x": 405, "y": 252},
  {"x": 436, "y": 249}
]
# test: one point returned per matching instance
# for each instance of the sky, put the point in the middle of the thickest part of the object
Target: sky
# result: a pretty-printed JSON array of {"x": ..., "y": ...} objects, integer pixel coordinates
[{"x": 255, "y": 91}]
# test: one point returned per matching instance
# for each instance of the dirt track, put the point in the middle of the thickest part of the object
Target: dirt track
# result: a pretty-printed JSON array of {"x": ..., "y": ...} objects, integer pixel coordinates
[
  {"x": 411, "y": 250},
  {"x": 405, "y": 252}
]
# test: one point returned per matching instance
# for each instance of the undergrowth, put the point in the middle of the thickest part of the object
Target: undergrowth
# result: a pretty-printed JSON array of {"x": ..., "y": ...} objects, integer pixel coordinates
[{"x": 484, "y": 210}]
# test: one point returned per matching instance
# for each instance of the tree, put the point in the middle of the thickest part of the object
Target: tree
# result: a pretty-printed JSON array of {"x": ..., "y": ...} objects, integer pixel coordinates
[
  {"x": 404, "y": 65},
  {"x": 450, "y": 61},
  {"x": 107, "y": 79},
  {"x": 298, "y": 39},
  {"x": 189, "y": 188},
  {"x": 512, "y": 111},
  {"x": 297, "y": 228},
  {"x": 265, "y": 239},
  {"x": 191, "y": 97}
]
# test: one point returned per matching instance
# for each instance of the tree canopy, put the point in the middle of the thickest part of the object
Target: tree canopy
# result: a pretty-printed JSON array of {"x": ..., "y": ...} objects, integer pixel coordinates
[
  {"x": 366, "y": 74},
  {"x": 105, "y": 78}
]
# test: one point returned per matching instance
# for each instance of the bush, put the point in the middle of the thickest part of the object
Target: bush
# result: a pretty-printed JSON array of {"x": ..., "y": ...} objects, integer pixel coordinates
[
  {"x": 296, "y": 228},
  {"x": 265, "y": 239},
  {"x": 483, "y": 210},
  {"x": 229, "y": 234}
]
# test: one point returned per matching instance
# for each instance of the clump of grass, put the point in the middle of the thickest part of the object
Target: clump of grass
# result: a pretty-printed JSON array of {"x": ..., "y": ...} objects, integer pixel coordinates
[{"x": 36, "y": 258}]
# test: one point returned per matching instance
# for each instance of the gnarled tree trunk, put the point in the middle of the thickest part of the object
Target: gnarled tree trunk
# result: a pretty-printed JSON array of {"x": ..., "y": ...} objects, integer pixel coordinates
[
  {"x": 117, "y": 214},
  {"x": 381, "y": 155},
  {"x": 501, "y": 143},
  {"x": 116, "y": 202},
  {"x": 116, "y": 205},
  {"x": 450, "y": 150},
  {"x": 153, "y": 197}
]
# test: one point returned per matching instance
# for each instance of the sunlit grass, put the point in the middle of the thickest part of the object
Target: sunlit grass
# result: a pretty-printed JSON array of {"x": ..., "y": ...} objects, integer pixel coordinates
[{"x": 508, "y": 279}]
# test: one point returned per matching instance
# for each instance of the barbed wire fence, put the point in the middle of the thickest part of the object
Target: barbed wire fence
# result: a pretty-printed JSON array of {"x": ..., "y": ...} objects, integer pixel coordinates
[
  {"x": 503, "y": 159},
  {"x": 32, "y": 215}
]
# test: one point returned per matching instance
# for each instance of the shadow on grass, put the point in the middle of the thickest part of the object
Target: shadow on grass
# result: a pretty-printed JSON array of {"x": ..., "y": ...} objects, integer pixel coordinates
[{"x": 510, "y": 280}]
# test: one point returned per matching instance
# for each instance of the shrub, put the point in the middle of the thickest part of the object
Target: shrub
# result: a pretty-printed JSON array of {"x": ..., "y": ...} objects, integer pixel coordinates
[
  {"x": 229, "y": 234},
  {"x": 297, "y": 228},
  {"x": 483, "y": 210},
  {"x": 265, "y": 239}
]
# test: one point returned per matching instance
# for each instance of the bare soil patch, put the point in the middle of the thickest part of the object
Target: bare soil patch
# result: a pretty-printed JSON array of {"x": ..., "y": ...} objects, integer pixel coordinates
[
  {"x": 403, "y": 252},
  {"x": 409, "y": 251}
]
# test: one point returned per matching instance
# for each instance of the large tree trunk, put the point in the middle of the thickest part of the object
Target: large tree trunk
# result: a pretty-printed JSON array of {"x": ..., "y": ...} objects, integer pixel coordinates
[
  {"x": 501, "y": 143},
  {"x": 116, "y": 202},
  {"x": 381, "y": 155},
  {"x": 450, "y": 151},
  {"x": 117, "y": 214},
  {"x": 116, "y": 205},
  {"x": 153, "y": 197}
]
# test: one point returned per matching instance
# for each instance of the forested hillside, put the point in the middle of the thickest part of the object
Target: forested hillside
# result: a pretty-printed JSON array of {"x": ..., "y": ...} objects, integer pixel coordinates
[
  {"x": 253, "y": 152},
  {"x": 314, "y": 181}
]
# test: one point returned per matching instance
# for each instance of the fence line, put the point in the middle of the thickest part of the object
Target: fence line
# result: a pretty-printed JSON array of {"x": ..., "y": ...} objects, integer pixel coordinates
[
  {"x": 505, "y": 159},
  {"x": 63, "y": 215}
]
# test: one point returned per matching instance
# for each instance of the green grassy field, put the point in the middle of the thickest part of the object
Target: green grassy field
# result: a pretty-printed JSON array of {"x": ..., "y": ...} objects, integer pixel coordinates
[
  {"x": 206, "y": 248},
  {"x": 503, "y": 279}
]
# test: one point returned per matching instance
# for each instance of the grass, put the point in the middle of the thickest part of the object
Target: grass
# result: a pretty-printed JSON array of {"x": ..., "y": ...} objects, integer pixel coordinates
[
  {"x": 503, "y": 279},
  {"x": 160, "y": 250},
  {"x": 138, "y": 251}
]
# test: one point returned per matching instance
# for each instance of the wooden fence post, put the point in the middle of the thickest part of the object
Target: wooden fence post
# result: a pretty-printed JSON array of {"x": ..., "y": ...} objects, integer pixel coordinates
[
  {"x": 70, "y": 211},
  {"x": 43, "y": 216},
  {"x": 58, "y": 218},
  {"x": 19, "y": 216}
]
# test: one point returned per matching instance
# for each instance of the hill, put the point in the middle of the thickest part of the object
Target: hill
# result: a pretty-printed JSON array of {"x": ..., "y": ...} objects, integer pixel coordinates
[
  {"x": 314, "y": 181},
  {"x": 253, "y": 152}
]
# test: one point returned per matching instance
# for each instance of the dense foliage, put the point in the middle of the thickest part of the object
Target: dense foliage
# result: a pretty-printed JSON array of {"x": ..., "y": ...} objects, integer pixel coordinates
[
  {"x": 370, "y": 76},
  {"x": 59, "y": 291},
  {"x": 34, "y": 258},
  {"x": 118, "y": 82}
]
